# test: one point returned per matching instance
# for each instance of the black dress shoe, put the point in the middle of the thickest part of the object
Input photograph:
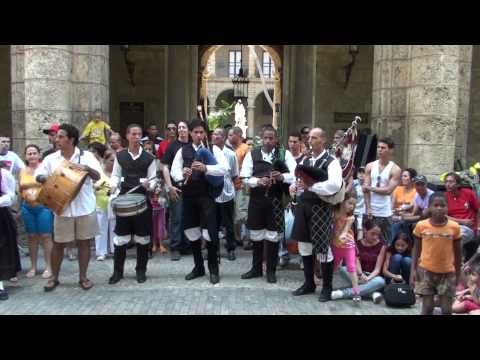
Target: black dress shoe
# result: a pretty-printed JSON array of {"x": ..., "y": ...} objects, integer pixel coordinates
[
  {"x": 214, "y": 279},
  {"x": 196, "y": 273},
  {"x": 141, "y": 277},
  {"x": 3, "y": 295},
  {"x": 271, "y": 278},
  {"x": 116, "y": 277},
  {"x": 325, "y": 295},
  {"x": 231, "y": 256},
  {"x": 305, "y": 289},
  {"x": 252, "y": 274},
  {"x": 175, "y": 255}
]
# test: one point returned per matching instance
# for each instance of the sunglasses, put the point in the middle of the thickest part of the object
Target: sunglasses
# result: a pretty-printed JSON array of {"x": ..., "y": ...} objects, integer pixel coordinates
[{"x": 379, "y": 181}]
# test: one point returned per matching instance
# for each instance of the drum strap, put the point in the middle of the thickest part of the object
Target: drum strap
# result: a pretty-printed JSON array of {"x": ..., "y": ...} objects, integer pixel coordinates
[{"x": 80, "y": 157}]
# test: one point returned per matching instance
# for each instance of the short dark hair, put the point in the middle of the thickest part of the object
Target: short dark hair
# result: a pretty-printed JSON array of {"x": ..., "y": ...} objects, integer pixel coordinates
[
  {"x": 98, "y": 148},
  {"x": 268, "y": 127},
  {"x": 369, "y": 224},
  {"x": 304, "y": 128},
  {"x": 72, "y": 132},
  {"x": 195, "y": 123},
  {"x": 133, "y": 126},
  {"x": 388, "y": 141},
  {"x": 152, "y": 125},
  {"x": 412, "y": 172},
  {"x": 457, "y": 177},
  {"x": 237, "y": 131},
  {"x": 437, "y": 195},
  {"x": 295, "y": 134},
  {"x": 170, "y": 123}
]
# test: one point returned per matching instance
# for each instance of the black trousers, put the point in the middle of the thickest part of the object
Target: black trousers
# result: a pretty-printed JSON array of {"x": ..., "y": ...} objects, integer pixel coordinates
[
  {"x": 201, "y": 212},
  {"x": 225, "y": 217}
]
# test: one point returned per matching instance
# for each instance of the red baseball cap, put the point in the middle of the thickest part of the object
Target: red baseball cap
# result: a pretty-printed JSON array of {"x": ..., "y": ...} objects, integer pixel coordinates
[{"x": 53, "y": 128}]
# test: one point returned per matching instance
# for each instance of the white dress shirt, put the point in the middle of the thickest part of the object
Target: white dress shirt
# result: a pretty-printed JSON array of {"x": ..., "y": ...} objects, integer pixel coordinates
[
  {"x": 247, "y": 168},
  {"x": 335, "y": 177},
  {"x": 116, "y": 178},
  {"x": 221, "y": 169},
  {"x": 7, "y": 189},
  {"x": 228, "y": 193},
  {"x": 85, "y": 202}
]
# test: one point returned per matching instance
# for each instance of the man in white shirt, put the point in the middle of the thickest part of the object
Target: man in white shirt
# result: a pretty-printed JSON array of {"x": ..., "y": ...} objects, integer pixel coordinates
[
  {"x": 225, "y": 202},
  {"x": 313, "y": 216},
  {"x": 267, "y": 170},
  {"x": 79, "y": 220},
  {"x": 8, "y": 159},
  {"x": 199, "y": 212}
]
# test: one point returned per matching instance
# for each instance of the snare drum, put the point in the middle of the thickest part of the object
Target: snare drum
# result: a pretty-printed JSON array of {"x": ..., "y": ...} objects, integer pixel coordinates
[{"x": 129, "y": 205}]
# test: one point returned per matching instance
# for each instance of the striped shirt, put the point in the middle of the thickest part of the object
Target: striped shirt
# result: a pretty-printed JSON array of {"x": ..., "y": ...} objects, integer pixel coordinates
[{"x": 228, "y": 193}]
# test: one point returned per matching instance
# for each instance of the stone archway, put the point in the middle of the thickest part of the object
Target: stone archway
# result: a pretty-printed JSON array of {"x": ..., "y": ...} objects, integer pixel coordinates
[{"x": 206, "y": 52}]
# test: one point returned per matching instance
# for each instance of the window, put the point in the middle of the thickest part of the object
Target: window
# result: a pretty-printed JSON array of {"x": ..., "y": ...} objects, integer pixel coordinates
[
  {"x": 268, "y": 66},
  {"x": 235, "y": 63}
]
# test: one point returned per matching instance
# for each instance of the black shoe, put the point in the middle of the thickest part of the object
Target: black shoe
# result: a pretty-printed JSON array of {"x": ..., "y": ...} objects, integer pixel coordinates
[
  {"x": 175, "y": 255},
  {"x": 187, "y": 251},
  {"x": 271, "y": 278},
  {"x": 284, "y": 261},
  {"x": 205, "y": 256},
  {"x": 239, "y": 243},
  {"x": 248, "y": 246},
  {"x": 3, "y": 295},
  {"x": 196, "y": 273},
  {"x": 116, "y": 277},
  {"x": 231, "y": 256},
  {"x": 252, "y": 274},
  {"x": 141, "y": 277},
  {"x": 325, "y": 295},
  {"x": 305, "y": 289},
  {"x": 214, "y": 279}
]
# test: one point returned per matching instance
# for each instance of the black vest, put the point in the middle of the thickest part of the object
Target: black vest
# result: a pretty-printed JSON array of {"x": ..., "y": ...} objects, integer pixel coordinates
[
  {"x": 134, "y": 170},
  {"x": 323, "y": 162},
  {"x": 263, "y": 169},
  {"x": 197, "y": 185}
]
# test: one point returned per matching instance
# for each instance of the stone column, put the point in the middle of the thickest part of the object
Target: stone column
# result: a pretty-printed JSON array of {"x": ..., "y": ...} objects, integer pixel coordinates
[
  {"x": 250, "y": 122},
  {"x": 252, "y": 64},
  {"x": 48, "y": 89},
  {"x": 437, "y": 108},
  {"x": 18, "y": 97},
  {"x": 391, "y": 80},
  {"x": 90, "y": 83}
]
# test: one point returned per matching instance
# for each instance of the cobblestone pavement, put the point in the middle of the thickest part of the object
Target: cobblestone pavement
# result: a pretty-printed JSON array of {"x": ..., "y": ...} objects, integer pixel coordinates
[{"x": 167, "y": 293}]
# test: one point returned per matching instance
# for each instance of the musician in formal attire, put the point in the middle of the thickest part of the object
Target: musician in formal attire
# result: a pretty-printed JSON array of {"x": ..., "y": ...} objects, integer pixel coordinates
[
  {"x": 313, "y": 216},
  {"x": 266, "y": 169},
  {"x": 78, "y": 222},
  {"x": 133, "y": 168},
  {"x": 199, "y": 211}
]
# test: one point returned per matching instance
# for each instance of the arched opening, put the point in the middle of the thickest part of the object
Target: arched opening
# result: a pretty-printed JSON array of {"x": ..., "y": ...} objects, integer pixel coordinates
[
  {"x": 218, "y": 64},
  {"x": 263, "y": 111}
]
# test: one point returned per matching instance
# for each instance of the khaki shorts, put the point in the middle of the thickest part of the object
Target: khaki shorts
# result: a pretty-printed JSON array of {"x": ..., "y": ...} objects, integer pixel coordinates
[
  {"x": 76, "y": 228},
  {"x": 241, "y": 206},
  {"x": 429, "y": 283}
]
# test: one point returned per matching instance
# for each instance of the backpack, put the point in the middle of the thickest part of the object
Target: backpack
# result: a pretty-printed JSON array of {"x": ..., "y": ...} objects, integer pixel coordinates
[{"x": 399, "y": 295}]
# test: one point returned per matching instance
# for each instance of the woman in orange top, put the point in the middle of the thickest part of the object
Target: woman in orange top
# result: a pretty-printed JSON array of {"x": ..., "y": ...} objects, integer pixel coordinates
[
  {"x": 37, "y": 218},
  {"x": 403, "y": 199}
]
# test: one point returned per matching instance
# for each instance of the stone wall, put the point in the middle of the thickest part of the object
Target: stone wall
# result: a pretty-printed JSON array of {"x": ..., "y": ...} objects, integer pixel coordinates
[
  {"x": 331, "y": 95},
  {"x": 473, "y": 153},
  {"x": 5, "y": 97},
  {"x": 150, "y": 82}
]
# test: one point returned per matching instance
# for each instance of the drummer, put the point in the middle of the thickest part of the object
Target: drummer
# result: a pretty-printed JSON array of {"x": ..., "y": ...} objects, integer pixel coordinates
[
  {"x": 79, "y": 220},
  {"x": 133, "y": 167}
]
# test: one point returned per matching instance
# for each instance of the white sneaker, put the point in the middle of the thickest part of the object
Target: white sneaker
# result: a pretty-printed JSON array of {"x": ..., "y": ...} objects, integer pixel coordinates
[
  {"x": 377, "y": 297},
  {"x": 101, "y": 258},
  {"x": 337, "y": 294}
]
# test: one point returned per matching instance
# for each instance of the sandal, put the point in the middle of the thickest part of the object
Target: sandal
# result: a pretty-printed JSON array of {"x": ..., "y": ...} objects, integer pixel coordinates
[
  {"x": 51, "y": 285},
  {"x": 85, "y": 284},
  {"x": 47, "y": 274},
  {"x": 31, "y": 274}
]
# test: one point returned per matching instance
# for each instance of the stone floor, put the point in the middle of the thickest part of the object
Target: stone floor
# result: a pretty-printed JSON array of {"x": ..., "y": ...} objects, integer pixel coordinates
[{"x": 167, "y": 293}]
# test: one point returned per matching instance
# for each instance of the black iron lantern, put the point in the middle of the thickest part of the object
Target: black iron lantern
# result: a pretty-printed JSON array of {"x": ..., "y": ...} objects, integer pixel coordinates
[{"x": 240, "y": 82}]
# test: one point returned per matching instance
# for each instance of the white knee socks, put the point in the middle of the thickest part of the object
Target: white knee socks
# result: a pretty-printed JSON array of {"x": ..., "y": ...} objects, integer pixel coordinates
[{"x": 1, "y": 285}]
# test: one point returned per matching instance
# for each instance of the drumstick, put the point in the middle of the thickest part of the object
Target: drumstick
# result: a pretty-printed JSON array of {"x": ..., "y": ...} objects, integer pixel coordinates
[{"x": 139, "y": 186}]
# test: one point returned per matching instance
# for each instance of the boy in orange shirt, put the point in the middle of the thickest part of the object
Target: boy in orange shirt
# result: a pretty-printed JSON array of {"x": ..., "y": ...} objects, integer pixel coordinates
[{"x": 439, "y": 249}]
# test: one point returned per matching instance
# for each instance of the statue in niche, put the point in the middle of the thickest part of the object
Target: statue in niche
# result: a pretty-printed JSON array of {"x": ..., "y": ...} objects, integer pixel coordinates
[{"x": 240, "y": 118}]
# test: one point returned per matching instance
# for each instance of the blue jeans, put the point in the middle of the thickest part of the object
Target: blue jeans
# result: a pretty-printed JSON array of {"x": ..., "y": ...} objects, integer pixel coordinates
[
  {"x": 400, "y": 227},
  {"x": 366, "y": 290},
  {"x": 400, "y": 265},
  {"x": 178, "y": 241}
]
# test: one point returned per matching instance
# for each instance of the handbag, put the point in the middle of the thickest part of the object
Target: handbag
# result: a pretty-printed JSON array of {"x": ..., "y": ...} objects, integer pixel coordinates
[{"x": 399, "y": 295}]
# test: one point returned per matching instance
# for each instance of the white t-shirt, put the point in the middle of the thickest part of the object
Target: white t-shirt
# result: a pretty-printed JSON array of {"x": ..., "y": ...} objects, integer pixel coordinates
[{"x": 14, "y": 163}]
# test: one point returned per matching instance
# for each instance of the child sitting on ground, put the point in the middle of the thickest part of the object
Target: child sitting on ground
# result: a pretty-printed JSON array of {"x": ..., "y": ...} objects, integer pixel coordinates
[
  {"x": 344, "y": 248},
  {"x": 438, "y": 254},
  {"x": 398, "y": 260},
  {"x": 468, "y": 300}
]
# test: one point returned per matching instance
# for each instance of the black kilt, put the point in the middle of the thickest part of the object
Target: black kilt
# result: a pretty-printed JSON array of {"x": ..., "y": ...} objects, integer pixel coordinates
[
  {"x": 266, "y": 213},
  {"x": 9, "y": 256},
  {"x": 139, "y": 225},
  {"x": 313, "y": 224}
]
